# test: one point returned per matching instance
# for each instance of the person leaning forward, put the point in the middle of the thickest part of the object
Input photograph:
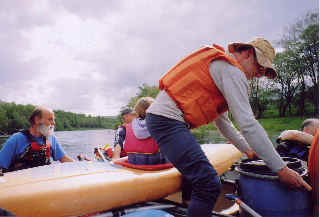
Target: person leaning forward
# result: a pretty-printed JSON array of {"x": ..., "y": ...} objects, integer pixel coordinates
[
  {"x": 34, "y": 146},
  {"x": 201, "y": 89}
]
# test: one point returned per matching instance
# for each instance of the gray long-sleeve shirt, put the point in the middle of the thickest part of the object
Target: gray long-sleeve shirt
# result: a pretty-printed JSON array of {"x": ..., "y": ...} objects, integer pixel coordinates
[{"x": 233, "y": 85}]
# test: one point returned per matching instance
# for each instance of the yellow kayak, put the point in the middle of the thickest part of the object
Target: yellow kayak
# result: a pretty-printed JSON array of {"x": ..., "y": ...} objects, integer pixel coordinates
[{"x": 78, "y": 188}]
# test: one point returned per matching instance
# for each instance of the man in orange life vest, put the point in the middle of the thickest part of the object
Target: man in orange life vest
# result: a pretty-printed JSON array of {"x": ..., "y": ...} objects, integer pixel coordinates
[
  {"x": 35, "y": 146},
  {"x": 201, "y": 89}
]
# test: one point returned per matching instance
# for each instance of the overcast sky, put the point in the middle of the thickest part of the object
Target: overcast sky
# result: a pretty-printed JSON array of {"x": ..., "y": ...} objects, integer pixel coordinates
[{"x": 91, "y": 56}]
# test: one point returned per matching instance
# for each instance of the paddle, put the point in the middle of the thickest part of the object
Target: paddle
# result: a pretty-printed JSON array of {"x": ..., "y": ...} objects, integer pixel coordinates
[{"x": 242, "y": 204}]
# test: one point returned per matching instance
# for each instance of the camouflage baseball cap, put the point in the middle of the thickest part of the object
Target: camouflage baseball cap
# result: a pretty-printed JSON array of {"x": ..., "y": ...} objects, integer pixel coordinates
[{"x": 125, "y": 111}]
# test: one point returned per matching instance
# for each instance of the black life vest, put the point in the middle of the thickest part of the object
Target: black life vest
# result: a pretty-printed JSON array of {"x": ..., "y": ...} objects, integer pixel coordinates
[{"x": 34, "y": 155}]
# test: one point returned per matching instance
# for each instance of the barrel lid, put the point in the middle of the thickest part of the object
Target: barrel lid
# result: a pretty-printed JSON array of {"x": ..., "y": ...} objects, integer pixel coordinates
[{"x": 261, "y": 168}]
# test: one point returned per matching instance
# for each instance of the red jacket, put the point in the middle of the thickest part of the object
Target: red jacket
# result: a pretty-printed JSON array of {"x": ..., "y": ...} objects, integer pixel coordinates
[{"x": 135, "y": 145}]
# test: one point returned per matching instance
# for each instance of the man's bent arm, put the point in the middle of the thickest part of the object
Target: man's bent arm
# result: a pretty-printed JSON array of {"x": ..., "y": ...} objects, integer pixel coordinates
[
  {"x": 297, "y": 136},
  {"x": 234, "y": 87}
]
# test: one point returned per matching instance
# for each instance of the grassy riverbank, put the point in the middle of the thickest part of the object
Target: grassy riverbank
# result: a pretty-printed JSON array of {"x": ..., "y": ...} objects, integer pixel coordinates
[
  {"x": 280, "y": 124},
  {"x": 271, "y": 125}
]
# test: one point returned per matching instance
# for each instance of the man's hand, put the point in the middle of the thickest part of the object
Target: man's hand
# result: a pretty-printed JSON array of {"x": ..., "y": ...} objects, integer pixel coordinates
[
  {"x": 251, "y": 154},
  {"x": 293, "y": 179}
]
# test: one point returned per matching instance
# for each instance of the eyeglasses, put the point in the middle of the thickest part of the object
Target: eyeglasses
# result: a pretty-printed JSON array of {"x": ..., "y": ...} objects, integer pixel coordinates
[{"x": 262, "y": 70}]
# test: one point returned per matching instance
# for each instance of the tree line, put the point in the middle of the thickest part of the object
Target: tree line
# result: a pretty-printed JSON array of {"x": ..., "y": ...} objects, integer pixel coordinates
[{"x": 14, "y": 117}]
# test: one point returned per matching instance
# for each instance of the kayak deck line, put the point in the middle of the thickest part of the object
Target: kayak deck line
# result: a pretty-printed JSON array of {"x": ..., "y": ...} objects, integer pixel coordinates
[{"x": 5, "y": 180}]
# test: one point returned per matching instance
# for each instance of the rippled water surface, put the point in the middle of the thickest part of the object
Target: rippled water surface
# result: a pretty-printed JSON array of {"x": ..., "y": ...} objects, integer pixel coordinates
[{"x": 76, "y": 142}]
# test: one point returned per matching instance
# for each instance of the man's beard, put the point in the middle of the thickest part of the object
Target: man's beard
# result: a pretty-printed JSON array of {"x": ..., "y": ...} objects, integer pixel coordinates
[{"x": 46, "y": 130}]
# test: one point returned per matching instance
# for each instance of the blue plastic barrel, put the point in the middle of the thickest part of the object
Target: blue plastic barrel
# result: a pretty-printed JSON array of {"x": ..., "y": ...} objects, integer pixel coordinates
[
  {"x": 149, "y": 213},
  {"x": 260, "y": 189}
]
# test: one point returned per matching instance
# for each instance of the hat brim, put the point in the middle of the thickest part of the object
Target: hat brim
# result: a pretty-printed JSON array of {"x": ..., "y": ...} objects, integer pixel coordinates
[
  {"x": 262, "y": 60},
  {"x": 232, "y": 47},
  {"x": 265, "y": 62}
]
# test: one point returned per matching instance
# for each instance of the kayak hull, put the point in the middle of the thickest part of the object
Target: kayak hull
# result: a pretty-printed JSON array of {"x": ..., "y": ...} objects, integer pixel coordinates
[{"x": 72, "y": 189}]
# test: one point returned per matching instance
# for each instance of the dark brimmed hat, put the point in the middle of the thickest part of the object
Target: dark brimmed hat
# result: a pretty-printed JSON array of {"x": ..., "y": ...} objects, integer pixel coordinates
[{"x": 125, "y": 111}]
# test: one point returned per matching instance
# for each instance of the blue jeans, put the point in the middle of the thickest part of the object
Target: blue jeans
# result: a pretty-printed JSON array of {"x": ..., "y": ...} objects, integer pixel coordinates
[
  {"x": 181, "y": 148},
  {"x": 146, "y": 159}
]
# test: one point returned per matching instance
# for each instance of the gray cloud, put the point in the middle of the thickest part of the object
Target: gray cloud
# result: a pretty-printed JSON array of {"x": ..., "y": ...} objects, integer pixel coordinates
[{"x": 90, "y": 57}]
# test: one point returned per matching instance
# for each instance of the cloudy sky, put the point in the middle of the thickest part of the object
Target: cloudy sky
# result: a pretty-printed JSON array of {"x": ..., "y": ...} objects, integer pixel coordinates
[{"x": 90, "y": 56}]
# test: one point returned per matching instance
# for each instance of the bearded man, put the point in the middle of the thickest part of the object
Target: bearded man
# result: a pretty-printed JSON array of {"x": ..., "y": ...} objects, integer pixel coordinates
[{"x": 35, "y": 146}]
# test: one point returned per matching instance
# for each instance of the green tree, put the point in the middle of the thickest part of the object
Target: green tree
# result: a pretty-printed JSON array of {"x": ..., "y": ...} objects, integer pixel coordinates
[
  {"x": 302, "y": 40},
  {"x": 14, "y": 117},
  {"x": 144, "y": 90},
  {"x": 3, "y": 121},
  {"x": 260, "y": 95},
  {"x": 309, "y": 50},
  {"x": 286, "y": 82}
]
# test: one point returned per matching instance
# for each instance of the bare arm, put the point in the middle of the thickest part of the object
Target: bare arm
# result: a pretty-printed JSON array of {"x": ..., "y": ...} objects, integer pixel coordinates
[
  {"x": 66, "y": 158},
  {"x": 116, "y": 152},
  {"x": 297, "y": 135}
]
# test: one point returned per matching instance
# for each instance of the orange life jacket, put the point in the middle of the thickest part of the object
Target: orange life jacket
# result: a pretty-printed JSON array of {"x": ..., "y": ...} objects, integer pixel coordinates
[
  {"x": 135, "y": 145},
  {"x": 191, "y": 86}
]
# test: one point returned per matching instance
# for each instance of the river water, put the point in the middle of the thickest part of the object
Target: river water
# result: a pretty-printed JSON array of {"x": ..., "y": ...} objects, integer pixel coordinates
[
  {"x": 84, "y": 141},
  {"x": 76, "y": 142}
]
